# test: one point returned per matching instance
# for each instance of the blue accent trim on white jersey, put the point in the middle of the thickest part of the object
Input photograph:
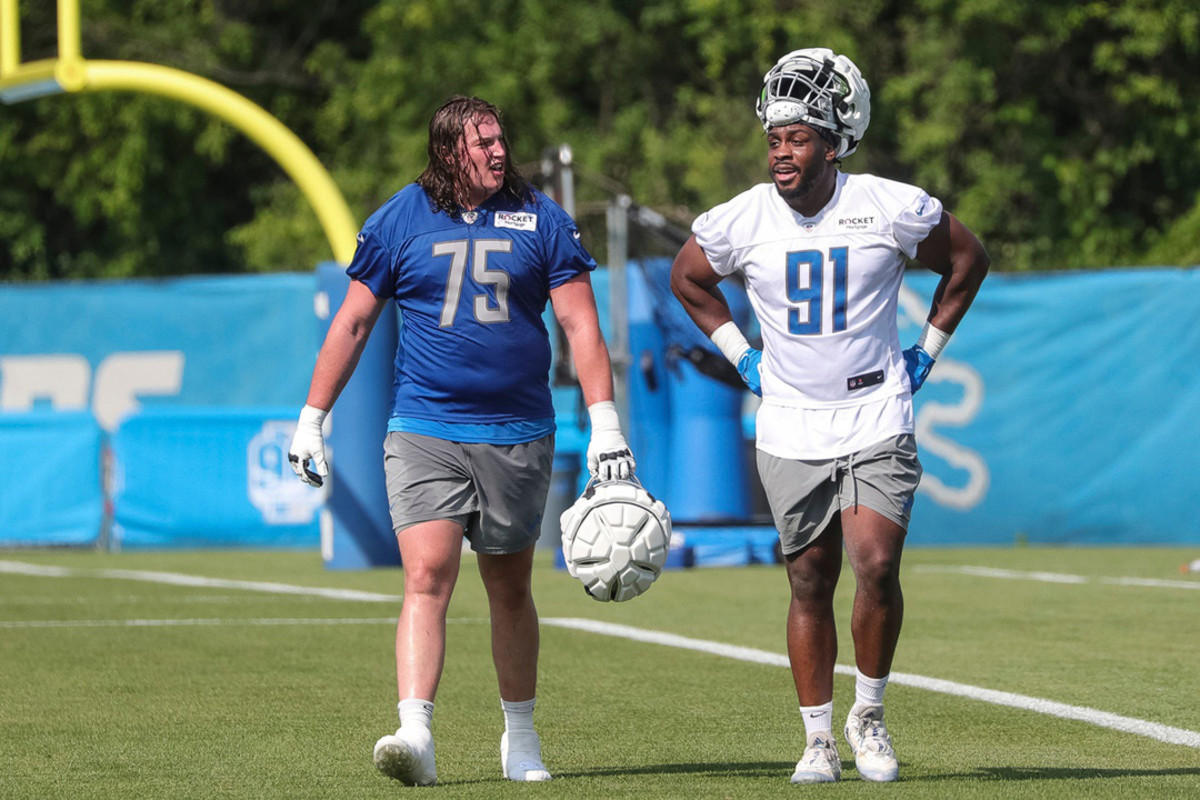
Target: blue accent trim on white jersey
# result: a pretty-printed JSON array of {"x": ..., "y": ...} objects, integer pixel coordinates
[{"x": 474, "y": 432}]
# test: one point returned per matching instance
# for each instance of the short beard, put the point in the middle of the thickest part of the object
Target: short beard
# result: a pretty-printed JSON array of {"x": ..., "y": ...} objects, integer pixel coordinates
[{"x": 808, "y": 181}]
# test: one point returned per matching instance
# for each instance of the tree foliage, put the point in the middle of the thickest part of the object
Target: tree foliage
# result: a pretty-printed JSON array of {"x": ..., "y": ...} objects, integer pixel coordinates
[{"x": 1064, "y": 134}]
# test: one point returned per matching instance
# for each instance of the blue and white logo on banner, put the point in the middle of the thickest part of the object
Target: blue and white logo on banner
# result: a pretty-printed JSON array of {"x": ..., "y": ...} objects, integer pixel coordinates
[
  {"x": 197, "y": 477},
  {"x": 1062, "y": 411},
  {"x": 960, "y": 477},
  {"x": 116, "y": 350},
  {"x": 271, "y": 485}
]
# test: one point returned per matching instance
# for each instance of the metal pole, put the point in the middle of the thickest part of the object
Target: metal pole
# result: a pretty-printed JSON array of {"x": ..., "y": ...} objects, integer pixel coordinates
[
  {"x": 618, "y": 301},
  {"x": 566, "y": 176},
  {"x": 561, "y": 190},
  {"x": 550, "y": 175}
]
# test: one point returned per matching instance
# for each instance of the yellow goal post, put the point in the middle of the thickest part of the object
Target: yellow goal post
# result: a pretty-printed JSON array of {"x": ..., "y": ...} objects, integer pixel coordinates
[{"x": 71, "y": 72}]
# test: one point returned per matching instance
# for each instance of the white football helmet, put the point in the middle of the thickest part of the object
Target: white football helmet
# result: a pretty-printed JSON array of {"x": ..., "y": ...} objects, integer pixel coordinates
[
  {"x": 615, "y": 539},
  {"x": 819, "y": 88}
]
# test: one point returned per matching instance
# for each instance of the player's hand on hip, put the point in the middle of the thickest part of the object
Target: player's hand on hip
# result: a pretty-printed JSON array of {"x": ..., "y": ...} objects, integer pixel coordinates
[
  {"x": 917, "y": 363},
  {"x": 749, "y": 366},
  {"x": 308, "y": 445},
  {"x": 608, "y": 455}
]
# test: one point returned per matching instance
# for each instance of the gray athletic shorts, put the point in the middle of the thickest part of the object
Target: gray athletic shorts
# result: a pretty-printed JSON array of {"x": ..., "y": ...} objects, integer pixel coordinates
[
  {"x": 804, "y": 495},
  {"x": 497, "y": 492}
]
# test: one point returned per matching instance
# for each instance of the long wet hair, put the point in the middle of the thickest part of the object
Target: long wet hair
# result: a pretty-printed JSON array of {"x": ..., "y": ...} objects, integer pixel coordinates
[{"x": 446, "y": 179}]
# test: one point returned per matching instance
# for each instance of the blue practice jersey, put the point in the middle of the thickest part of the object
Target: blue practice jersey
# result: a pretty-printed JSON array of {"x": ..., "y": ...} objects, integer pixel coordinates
[{"x": 474, "y": 357}]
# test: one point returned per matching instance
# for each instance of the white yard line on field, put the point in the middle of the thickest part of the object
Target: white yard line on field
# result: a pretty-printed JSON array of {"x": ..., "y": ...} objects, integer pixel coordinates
[
  {"x": 188, "y": 623},
  {"x": 1054, "y": 577},
  {"x": 1153, "y": 730},
  {"x": 1103, "y": 719},
  {"x": 179, "y": 579}
]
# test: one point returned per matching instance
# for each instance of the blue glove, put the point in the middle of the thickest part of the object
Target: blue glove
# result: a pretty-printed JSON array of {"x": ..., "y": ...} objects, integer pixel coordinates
[
  {"x": 749, "y": 366},
  {"x": 917, "y": 363}
]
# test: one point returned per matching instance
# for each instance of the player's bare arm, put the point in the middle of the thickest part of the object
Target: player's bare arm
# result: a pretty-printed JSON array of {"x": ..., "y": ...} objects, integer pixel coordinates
[
  {"x": 952, "y": 251},
  {"x": 694, "y": 283},
  {"x": 608, "y": 454},
  {"x": 336, "y": 362},
  {"x": 575, "y": 309},
  {"x": 344, "y": 344}
]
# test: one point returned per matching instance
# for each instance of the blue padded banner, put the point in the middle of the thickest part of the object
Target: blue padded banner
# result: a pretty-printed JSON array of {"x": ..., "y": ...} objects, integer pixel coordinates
[
  {"x": 113, "y": 346},
  {"x": 77, "y": 357},
  {"x": 1064, "y": 410},
  {"x": 202, "y": 477},
  {"x": 51, "y": 490}
]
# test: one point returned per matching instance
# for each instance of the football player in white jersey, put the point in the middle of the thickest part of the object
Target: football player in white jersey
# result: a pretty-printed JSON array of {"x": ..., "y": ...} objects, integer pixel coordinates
[{"x": 822, "y": 254}]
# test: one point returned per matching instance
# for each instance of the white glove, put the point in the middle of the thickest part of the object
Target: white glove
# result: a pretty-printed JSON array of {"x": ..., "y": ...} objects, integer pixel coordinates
[
  {"x": 309, "y": 445},
  {"x": 608, "y": 456}
]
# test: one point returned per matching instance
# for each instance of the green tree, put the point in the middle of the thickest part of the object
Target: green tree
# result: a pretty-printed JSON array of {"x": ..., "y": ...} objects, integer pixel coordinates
[
  {"x": 1065, "y": 133},
  {"x": 121, "y": 184}
]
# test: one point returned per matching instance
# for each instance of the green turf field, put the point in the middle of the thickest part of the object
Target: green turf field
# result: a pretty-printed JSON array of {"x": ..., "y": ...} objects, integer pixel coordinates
[{"x": 115, "y": 683}]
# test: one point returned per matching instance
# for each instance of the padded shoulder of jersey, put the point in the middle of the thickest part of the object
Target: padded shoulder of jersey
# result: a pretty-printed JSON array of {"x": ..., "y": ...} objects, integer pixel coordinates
[
  {"x": 409, "y": 212},
  {"x": 395, "y": 219},
  {"x": 721, "y": 216},
  {"x": 543, "y": 204},
  {"x": 891, "y": 198}
]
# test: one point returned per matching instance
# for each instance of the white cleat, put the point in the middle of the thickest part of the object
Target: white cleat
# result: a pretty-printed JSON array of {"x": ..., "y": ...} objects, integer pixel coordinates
[
  {"x": 521, "y": 757},
  {"x": 407, "y": 756},
  {"x": 872, "y": 746},
  {"x": 820, "y": 763}
]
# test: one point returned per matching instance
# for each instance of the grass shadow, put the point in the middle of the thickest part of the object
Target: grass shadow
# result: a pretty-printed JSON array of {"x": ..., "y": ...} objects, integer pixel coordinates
[
  {"x": 774, "y": 769},
  {"x": 751, "y": 769},
  {"x": 1007, "y": 774}
]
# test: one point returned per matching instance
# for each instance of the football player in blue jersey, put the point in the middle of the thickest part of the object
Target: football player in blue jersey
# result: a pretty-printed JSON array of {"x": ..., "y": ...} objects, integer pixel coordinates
[{"x": 471, "y": 253}]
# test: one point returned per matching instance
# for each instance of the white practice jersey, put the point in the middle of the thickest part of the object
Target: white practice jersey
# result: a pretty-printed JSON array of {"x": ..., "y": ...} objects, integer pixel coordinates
[{"x": 825, "y": 291}]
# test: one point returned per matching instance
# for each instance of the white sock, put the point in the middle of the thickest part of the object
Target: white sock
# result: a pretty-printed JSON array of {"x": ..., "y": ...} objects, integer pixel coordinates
[
  {"x": 518, "y": 716},
  {"x": 868, "y": 691},
  {"x": 817, "y": 718},
  {"x": 416, "y": 713}
]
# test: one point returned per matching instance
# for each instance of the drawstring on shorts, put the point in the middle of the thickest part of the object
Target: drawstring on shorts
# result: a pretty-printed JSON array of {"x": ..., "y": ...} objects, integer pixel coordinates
[{"x": 846, "y": 463}]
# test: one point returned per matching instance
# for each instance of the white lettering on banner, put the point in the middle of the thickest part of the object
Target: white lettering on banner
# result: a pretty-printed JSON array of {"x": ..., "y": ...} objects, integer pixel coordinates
[
  {"x": 63, "y": 380},
  {"x": 122, "y": 377},
  {"x": 271, "y": 486},
  {"x": 932, "y": 414}
]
